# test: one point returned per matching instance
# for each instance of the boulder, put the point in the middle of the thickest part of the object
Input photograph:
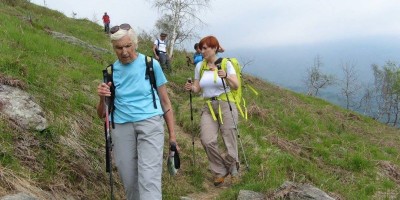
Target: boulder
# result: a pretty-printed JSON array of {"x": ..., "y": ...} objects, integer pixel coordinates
[
  {"x": 19, "y": 196},
  {"x": 18, "y": 106},
  {"x": 250, "y": 195},
  {"x": 290, "y": 190}
]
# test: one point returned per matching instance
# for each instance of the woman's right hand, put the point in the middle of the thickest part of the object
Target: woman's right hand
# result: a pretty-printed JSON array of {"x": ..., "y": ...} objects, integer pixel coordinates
[
  {"x": 104, "y": 89},
  {"x": 188, "y": 86}
]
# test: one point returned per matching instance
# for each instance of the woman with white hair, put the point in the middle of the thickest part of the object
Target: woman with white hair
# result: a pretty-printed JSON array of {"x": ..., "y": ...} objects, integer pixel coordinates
[{"x": 138, "y": 136}]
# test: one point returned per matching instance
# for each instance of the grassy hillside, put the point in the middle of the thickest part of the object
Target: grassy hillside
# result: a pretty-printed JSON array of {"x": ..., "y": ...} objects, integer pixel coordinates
[{"x": 288, "y": 136}]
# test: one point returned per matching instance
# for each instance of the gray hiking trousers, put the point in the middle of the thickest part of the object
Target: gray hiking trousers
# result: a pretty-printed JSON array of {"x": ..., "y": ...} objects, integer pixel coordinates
[{"x": 138, "y": 153}]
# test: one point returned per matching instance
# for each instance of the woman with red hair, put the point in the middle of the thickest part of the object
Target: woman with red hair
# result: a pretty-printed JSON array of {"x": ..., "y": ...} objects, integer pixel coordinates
[{"x": 216, "y": 115}]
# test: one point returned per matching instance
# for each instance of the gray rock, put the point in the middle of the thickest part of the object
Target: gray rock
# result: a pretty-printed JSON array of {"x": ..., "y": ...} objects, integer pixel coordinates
[
  {"x": 290, "y": 190},
  {"x": 76, "y": 41},
  {"x": 19, "y": 106},
  {"x": 19, "y": 196},
  {"x": 250, "y": 195}
]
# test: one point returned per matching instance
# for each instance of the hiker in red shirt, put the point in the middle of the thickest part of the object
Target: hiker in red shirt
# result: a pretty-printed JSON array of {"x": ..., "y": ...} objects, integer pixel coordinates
[{"x": 106, "y": 21}]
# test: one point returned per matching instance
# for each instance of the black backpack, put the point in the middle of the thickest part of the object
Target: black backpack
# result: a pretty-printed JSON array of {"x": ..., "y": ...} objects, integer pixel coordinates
[{"x": 108, "y": 77}]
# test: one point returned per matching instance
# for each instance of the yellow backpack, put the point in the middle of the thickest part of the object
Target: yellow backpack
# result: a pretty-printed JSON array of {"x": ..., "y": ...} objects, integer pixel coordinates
[{"x": 235, "y": 95}]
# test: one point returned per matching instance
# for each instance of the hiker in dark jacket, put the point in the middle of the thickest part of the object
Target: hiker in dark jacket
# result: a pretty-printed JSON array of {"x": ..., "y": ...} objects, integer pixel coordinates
[{"x": 138, "y": 137}]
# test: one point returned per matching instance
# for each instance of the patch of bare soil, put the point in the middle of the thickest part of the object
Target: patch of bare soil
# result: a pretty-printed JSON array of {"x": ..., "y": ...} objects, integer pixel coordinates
[
  {"x": 211, "y": 192},
  {"x": 5, "y": 80},
  {"x": 390, "y": 170}
]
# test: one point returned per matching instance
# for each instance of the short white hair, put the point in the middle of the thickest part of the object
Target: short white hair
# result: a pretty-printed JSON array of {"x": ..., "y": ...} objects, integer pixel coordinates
[{"x": 121, "y": 33}]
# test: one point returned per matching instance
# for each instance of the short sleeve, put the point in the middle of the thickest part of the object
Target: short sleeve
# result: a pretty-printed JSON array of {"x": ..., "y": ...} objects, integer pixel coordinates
[
  {"x": 230, "y": 69},
  {"x": 159, "y": 74},
  {"x": 197, "y": 71}
]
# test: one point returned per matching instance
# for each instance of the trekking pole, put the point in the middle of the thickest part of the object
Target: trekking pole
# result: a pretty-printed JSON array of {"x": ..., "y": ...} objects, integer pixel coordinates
[
  {"x": 189, "y": 80},
  {"x": 218, "y": 63},
  {"x": 108, "y": 139}
]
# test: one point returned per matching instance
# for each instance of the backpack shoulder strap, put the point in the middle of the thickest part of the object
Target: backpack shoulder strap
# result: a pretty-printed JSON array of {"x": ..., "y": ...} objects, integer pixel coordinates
[
  {"x": 150, "y": 75},
  {"x": 223, "y": 63},
  {"x": 203, "y": 67}
]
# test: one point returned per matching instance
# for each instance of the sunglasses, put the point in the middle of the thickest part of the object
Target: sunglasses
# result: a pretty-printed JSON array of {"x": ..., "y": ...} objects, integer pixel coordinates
[{"x": 122, "y": 26}]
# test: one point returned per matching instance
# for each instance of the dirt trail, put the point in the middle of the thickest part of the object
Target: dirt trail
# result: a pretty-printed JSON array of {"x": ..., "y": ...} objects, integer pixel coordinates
[{"x": 212, "y": 192}]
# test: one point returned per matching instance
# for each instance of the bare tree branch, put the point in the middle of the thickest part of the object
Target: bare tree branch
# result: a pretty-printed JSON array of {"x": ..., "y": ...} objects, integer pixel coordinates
[
  {"x": 316, "y": 80},
  {"x": 349, "y": 84}
]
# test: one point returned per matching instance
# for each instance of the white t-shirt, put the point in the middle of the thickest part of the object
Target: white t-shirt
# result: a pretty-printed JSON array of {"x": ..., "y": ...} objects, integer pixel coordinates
[
  {"x": 209, "y": 87},
  {"x": 161, "y": 45}
]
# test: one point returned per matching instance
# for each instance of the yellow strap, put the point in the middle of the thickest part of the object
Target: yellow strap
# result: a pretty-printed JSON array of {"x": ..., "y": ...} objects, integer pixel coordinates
[
  {"x": 220, "y": 113},
  {"x": 239, "y": 108},
  {"x": 252, "y": 89},
  {"x": 211, "y": 110},
  {"x": 213, "y": 113},
  {"x": 245, "y": 108}
]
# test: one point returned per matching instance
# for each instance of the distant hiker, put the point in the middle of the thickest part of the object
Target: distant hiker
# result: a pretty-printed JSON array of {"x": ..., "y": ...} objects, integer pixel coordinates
[
  {"x": 216, "y": 115},
  {"x": 160, "y": 51},
  {"x": 138, "y": 135},
  {"x": 197, "y": 57},
  {"x": 106, "y": 21}
]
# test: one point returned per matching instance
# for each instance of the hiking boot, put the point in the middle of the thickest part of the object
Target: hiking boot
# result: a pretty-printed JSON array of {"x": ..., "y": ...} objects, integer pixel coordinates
[
  {"x": 219, "y": 181},
  {"x": 233, "y": 170},
  {"x": 234, "y": 174},
  {"x": 235, "y": 178}
]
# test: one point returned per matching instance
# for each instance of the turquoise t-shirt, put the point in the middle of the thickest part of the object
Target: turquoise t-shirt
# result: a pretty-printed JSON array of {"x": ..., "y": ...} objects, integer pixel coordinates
[{"x": 133, "y": 95}]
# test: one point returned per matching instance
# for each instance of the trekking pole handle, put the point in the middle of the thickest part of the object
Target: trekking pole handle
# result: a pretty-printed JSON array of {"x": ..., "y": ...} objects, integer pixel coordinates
[
  {"x": 189, "y": 80},
  {"x": 106, "y": 80}
]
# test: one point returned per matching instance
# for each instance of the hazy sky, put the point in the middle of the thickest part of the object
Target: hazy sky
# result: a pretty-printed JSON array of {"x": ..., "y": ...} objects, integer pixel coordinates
[{"x": 259, "y": 23}]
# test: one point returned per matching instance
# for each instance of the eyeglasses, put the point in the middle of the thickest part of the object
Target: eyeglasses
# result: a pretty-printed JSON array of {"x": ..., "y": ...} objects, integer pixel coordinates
[{"x": 122, "y": 26}]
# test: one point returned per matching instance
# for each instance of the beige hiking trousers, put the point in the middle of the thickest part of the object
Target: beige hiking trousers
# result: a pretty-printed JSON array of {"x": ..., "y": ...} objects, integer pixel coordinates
[{"x": 220, "y": 162}]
